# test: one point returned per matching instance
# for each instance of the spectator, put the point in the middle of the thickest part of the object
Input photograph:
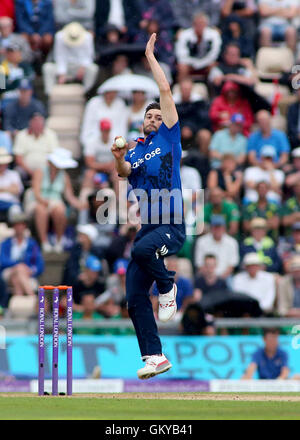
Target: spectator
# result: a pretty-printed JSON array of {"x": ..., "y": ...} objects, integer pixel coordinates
[
  {"x": 276, "y": 22},
  {"x": 98, "y": 156},
  {"x": 101, "y": 213},
  {"x": 88, "y": 281},
  {"x": 15, "y": 70},
  {"x": 197, "y": 48},
  {"x": 184, "y": 294},
  {"x": 291, "y": 208},
  {"x": 18, "y": 113},
  {"x": 256, "y": 283},
  {"x": 293, "y": 174},
  {"x": 265, "y": 171},
  {"x": 293, "y": 124},
  {"x": 35, "y": 21},
  {"x": 258, "y": 242},
  {"x": 11, "y": 186},
  {"x": 106, "y": 106},
  {"x": 5, "y": 141},
  {"x": 164, "y": 50},
  {"x": 87, "y": 312},
  {"x": 159, "y": 10},
  {"x": 82, "y": 248},
  {"x": 219, "y": 244},
  {"x": 218, "y": 205},
  {"x": 21, "y": 261},
  {"x": 289, "y": 246},
  {"x": 190, "y": 177},
  {"x": 73, "y": 55},
  {"x": 196, "y": 322},
  {"x": 229, "y": 141},
  {"x": 7, "y": 9},
  {"x": 121, "y": 245},
  {"x": 193, "y": 115},
  {"x": 232, "y": 68},
  {"x": 266, "y": 135},
  {"x": 125, "y": 14},
  {"x": 227, "y": 104},
  {"x": 136, "y": 112},
  {"x": 207, "y": 280},
  {"x": 270, "y": 362},
  {"x": 33, "y": 145},
  {"x": 243, "y": 9},
  {"x": 289, "y": 291},
  {"x": 50, "y": 185},
  {"x": 262, "y": 209},
  {"x": 228, "y": 178},
  {"x": 67, "y": 11},
  {"x": 8, "y": 37},
  {"x": 235, "y": 31},
  {"x": 184, "y": 11}
]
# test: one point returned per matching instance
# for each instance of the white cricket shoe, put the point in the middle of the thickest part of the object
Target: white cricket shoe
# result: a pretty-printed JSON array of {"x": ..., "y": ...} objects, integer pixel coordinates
[
  {"x": 167, "y": 306},
  {"x": 155, "y": 364}
]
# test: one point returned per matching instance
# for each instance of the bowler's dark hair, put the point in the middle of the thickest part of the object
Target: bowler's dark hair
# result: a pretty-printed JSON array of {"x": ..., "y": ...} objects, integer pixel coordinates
[{"x": 152, "y": 106}]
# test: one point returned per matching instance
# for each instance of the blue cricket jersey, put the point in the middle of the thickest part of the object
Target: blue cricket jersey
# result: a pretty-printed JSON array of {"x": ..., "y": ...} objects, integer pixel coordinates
[
  {"x": 270, "y": 368},
  {"x": 155, "y": 176}
]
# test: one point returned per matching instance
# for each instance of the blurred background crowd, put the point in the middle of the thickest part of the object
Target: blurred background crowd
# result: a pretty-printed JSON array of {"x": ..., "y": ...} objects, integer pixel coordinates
[{"x": 73, "y": 76}]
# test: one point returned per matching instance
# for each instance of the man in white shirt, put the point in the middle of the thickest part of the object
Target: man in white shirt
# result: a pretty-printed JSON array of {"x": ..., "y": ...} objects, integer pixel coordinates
[
  {"x": 73, "y": 58},
  {"x": 256, "y": 283},
  {"x": 276, "y": 21},
  {"x": 106, "y": 106},
  {"x": 266, "y": 171},
  {"x": 33, "y": 145},
  {"x": 220, "y": 244},
  {"x": 197, "y": 48}
]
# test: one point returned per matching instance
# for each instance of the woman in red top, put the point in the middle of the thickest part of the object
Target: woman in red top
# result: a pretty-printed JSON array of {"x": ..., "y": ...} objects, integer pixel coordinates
[{"x": 229, "y": 102}]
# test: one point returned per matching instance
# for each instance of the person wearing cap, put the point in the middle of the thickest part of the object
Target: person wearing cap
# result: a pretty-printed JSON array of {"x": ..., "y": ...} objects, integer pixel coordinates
[
  {"x": 266, "y": 135},
  {"x": 291, "y": 208},
  {"x": 232, "y": 68},
  {"x": 21, "y": 260},
  {"x": 35, "y": 21},
  {"x": 217, "y": 242},
  {"x": 227, "y": 177},
  {"x": 33, "y": 145},
  {"x": 83, "y": 247},
  {"x": 217, "y": 204},
  {"x": 229, "y": 141},
  {"x": 270, "y": 362},
  {"x": 8, "y": 36},
  {"x": 11, "y": 186},
  {"x": 265, "y": 170},
  {"x": 262, "y": 209},
  {"x": 289, "y": 246},
  {"x": 229, "y": 102},
  {"x": 264, "y": 246},
  {"x": 256, "y": 282},
  {"x": 98, "y": 157},
  {"x": 293, "y": 117},
  {"x": 51, "y": 185},
  {"x": 14, "y": 69},
  {"x": 19, "y": 112},
  {"x": 288, "y": 303},
  {"x": 73, "y": 55}
]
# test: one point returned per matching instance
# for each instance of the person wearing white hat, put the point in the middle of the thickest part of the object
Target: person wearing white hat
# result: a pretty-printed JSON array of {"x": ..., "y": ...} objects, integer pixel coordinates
[
  {"x": 73, "y": 58},
  {"x": 50, "y": 185},
  {"x": 255, "y": 282},
  {"x": 11, "y": 186}
]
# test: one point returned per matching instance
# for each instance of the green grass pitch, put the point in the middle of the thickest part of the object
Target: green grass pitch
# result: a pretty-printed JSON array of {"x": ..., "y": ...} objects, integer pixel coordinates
[{"x": 189, "y": 406}]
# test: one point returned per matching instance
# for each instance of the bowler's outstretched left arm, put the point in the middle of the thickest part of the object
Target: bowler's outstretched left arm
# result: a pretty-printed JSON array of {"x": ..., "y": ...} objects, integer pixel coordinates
[{"x": 167, "y": 105}]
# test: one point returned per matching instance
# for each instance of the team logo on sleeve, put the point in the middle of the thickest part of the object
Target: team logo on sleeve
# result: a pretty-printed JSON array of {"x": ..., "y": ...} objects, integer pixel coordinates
[{"x": 161, "y": 252}]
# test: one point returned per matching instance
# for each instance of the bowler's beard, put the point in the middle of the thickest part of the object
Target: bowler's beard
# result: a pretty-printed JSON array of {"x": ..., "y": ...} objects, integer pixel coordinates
[{"x": 147, "y": 130}]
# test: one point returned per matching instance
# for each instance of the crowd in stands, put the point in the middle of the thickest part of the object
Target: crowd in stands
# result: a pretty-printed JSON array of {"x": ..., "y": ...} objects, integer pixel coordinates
[{"x": 232, "y": 65}]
